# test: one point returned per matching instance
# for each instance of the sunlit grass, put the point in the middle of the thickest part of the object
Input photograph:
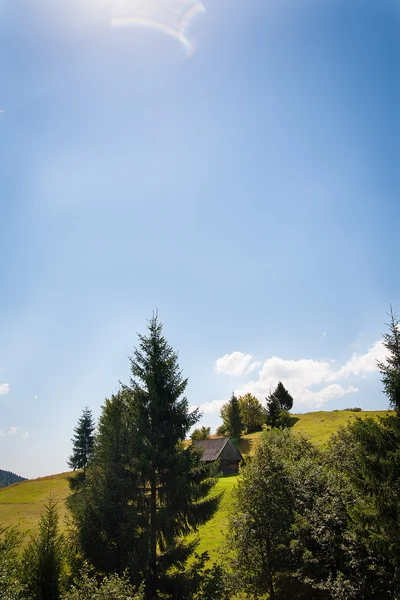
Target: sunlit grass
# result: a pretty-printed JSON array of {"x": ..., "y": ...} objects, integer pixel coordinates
[{"x": 23, "y": 503}]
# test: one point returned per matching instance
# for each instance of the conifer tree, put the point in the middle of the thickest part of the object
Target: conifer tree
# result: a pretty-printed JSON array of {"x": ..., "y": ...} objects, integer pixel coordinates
[
  {"x": 42, "y": 558},
  {"x": 231, "y": 417},
  {"x": 106, "y": 509},
  {"x": 82, "y": 441},
  {"x": 283, "y": 397},
  {"x": 145, "y": 491},
  {"x": 177, "y": 482},
  {"x": 390, "y": 369}
]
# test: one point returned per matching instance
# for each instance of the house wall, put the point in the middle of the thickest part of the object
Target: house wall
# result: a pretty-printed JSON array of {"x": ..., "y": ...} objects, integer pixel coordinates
[{"x": 228, "y": 467}]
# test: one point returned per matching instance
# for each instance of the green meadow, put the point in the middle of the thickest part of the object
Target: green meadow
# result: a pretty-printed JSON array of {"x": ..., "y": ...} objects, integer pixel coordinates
[{"x": 23, "y": 503}]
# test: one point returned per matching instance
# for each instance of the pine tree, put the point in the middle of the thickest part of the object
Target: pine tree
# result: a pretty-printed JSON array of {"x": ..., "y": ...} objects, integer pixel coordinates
[
  {"x": 176, "y": 481},
  {"x": 82, "y": 441},
  {"x": 231, "y": 417},
  {"x": 106, "y": 509},
  {"x": 42, "y": 558},
  {"x": 273, "y": 411},
  {"x": 283, "y": 397},
  {"x": 390, "y": 369}
]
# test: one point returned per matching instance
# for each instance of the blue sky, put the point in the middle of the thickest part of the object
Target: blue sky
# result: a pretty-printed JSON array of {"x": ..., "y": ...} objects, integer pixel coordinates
[{"x": 232, "y": 164}]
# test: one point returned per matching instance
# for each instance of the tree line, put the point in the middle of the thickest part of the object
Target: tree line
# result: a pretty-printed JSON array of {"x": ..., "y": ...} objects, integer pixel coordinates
[{"x": 246, "y": 414}]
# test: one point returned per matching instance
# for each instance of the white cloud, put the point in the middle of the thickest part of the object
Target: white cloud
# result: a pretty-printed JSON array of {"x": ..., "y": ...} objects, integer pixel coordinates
[
  {"x": 25, "y": 435},
  {"x": 311, "y": 382},
  {"x": 212, "y": 407},
  {"x": 366, "y": 363},
  {"x": 235, "y": 364},
  {"x": 4, "y": 389}
]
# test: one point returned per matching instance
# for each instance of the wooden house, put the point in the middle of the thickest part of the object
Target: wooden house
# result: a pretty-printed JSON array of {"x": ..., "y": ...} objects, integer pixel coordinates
[{"x": 223, "y": 450}]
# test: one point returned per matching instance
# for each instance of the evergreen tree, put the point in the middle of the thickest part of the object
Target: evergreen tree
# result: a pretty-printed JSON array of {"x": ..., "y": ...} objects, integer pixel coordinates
[
  {"x": 42, "y": 558},
  {"x": 283, "y": 397},
  {"x": 273, "y": 411},
  {"x": 231, "y": 417},
  {"x": 82, "y": 441},
  {"x": 144, "y": 490},
  {"x": 175, "y": 483},
  {"x": 279, "y": 403},
  {"x": 107, "y": 509},
  {"x": 252, "y": 413},
  {"x": 390, "y": 369}
]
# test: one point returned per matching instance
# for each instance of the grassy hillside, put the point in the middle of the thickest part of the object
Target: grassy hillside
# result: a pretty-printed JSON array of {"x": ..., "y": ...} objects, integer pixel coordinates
[
  {"x": 23, "y": 503},
  {"x": 317, "y": 426}
]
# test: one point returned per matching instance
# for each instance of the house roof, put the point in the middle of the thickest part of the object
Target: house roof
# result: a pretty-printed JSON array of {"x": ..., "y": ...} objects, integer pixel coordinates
[{"x": 212, "y": 448}]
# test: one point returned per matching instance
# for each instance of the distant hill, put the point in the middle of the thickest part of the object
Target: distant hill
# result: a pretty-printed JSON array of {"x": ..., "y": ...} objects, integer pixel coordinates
[{"x": 7, "y": 478}]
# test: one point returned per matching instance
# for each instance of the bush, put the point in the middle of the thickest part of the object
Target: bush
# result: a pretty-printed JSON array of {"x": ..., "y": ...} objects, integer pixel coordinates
[
  {"x": 110, "y": 588},
  {"x": 10, "y": 586}
]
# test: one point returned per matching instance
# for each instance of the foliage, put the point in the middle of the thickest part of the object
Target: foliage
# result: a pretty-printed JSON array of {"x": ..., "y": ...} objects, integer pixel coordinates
[
  {"x": 145, "y": 491},
  {"x": 321, "y": 525},
  {"x": 106, "y": 508},
  {"x": 252, "y": 413},
  {"x": 368, "y": 455},
  {"x": 279, "y": 401},
  {"x": 220, "y": 430},
  {"x": 273, "y": 411},
  {"x": 82, "y": 441},
  {"x": 390, "y": 369},
  {"x": 8, "y": 478},
  {"x": 113, "y": 587},
  {"x": 11, "y": 587},
  {"x": 283, "y": 397},
  {"x": 231, "y": 418},
  {"x": 261, "y": 519},
  {"x": 42, "y": 558},
  {"x": 201, "y": 434}
]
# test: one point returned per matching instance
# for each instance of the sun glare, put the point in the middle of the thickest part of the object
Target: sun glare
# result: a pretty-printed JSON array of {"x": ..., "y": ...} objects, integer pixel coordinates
[{"x": 172, "y": 17}]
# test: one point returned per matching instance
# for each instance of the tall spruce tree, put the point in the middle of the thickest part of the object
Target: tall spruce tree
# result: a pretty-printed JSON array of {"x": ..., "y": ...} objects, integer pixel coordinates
[
  {"x": 175, "y": 484},
  {"x": 82, "y": 441},
  {"x": 144, "y": 490},
  {"x": 231, "y": 417},
  {"x": 390, "y": 369}
]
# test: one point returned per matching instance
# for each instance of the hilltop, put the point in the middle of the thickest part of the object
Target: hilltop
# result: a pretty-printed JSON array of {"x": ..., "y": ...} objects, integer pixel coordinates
[{"x": 8, "y": 478}]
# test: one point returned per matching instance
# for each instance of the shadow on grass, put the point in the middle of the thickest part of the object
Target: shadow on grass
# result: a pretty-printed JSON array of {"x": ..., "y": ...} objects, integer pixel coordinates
[{"x": 292, "y": 421}]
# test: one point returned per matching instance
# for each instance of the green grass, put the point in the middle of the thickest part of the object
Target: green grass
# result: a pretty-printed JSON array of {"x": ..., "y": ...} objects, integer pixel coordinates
[
  {"x": 23, "y": 503},
  {"x": 212, "y": 533},
  {"x": 317, "y": 426}
]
